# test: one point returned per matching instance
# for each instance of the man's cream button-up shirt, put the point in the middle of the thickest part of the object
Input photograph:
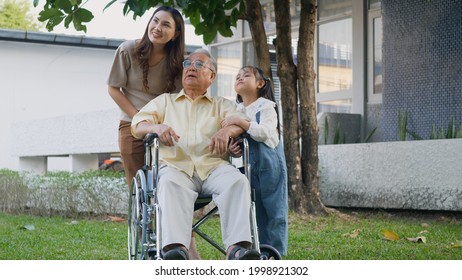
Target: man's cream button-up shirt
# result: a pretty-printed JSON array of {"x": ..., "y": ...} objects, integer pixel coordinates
[{"x": 195, "y": 122}]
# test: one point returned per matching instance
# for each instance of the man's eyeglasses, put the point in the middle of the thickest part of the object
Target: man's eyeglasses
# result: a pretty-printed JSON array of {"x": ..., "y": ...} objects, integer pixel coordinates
[{"x": 197, "y": 64}]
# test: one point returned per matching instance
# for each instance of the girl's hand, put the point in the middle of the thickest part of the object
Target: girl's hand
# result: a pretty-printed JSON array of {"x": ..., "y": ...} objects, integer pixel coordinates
[
  {"x": 229, "y": 121},
  {"x": 234, "y": 147}
]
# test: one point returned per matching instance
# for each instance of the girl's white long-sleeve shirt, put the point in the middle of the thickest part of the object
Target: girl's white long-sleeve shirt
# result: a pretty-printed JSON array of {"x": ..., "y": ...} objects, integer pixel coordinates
[{"x": 265, "y": 131}]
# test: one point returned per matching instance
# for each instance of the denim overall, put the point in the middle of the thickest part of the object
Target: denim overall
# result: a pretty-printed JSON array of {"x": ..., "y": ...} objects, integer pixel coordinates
[{"x": 269, "y": 180}]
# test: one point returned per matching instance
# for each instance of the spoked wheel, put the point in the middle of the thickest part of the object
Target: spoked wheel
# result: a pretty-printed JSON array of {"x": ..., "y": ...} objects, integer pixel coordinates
[
  {"x": 135, "y": 202},
  {"x": 268, "y": 252}
]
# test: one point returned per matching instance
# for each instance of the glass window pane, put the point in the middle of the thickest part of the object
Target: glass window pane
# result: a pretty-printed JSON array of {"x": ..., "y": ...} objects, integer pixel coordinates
[
  {"x": 229, "y": 62},
  {"x": 331, "y": 8},
  {"x": 335, "y": 56},
  {"x": 377, "y": 55},
  {"x": 335, "y": 106},
  {"x": 375, "y": 4}
]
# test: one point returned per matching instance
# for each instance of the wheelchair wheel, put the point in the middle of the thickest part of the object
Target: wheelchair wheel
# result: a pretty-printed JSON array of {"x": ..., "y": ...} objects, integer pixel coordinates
[
  {"x": 135, "y": 246},
  {"x": 268, "y": 252}
]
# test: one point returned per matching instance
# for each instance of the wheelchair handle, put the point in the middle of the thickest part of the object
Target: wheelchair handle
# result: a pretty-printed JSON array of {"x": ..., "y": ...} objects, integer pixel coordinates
[{"x": 149, "y": 138}]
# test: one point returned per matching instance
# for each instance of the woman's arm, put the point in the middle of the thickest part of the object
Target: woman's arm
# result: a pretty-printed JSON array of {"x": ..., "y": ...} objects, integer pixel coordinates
[{"x": 122, "y": 101}]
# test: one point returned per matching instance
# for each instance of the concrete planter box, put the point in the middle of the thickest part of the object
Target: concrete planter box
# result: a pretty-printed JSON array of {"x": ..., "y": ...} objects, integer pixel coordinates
[{"x": 423, "y": 175}]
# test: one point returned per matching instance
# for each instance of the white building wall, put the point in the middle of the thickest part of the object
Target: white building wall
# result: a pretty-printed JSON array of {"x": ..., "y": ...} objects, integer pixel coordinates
[{"x": 42, "y": 82}]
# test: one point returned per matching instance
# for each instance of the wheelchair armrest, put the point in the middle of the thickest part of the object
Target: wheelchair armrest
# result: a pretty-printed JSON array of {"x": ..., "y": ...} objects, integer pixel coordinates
[{"x": 149, "y": 138}]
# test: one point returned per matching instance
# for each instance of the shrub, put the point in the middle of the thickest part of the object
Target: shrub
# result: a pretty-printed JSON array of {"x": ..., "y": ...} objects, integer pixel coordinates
[{"x": 64, "y": 193}]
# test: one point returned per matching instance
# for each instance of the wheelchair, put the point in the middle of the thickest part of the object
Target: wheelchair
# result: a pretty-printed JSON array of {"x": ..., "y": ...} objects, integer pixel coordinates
[{"x": 144, "y": 241}]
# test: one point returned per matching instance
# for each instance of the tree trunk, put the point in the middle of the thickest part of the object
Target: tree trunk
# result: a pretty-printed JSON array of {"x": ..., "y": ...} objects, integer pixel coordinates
[
  {"x": 308, "y": 119},
  {"x": 287, "y": 73},
  {"x": 298, "y": 104},
  {"x": 257, "y": 30}
]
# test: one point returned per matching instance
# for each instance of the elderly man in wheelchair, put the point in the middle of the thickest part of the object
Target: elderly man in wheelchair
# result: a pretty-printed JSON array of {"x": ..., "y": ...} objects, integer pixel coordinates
[{"x": 193, "y": 160}]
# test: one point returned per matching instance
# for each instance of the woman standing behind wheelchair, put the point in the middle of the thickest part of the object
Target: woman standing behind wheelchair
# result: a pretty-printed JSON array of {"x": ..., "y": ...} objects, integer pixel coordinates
[
  {"x": 142, "y": 70},
  {"x": 266, "y": 155}
]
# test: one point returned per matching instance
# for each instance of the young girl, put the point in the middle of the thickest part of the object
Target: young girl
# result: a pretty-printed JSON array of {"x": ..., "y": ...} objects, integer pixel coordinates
[{"x": 266, "y": 155}]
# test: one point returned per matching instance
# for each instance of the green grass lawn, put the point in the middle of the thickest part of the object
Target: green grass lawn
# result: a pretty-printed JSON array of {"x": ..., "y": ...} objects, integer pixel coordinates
[{"x": 348, "y": 235}]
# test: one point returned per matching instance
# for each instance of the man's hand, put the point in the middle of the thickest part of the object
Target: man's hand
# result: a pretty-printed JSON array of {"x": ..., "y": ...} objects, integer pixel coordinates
[
  {"x": 167, "y": 135},
  {"x": 219, "y": 142}
]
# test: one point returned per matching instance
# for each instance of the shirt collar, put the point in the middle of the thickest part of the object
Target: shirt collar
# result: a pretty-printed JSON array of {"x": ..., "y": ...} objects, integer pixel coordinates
[{"x": 182, "y": 94}]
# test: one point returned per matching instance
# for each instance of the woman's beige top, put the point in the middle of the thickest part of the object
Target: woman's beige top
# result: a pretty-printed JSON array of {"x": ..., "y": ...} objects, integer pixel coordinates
[{"x": 127, "y": 75}]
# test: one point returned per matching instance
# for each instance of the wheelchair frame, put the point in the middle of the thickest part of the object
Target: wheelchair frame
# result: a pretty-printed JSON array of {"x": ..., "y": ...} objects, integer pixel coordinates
[{"x": 144, "y": 229}]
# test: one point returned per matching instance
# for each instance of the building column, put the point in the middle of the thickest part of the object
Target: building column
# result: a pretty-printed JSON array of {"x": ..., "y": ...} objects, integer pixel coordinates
[
  {"x": 36, "y": 165},
  {"x": 83, "y": 162}
]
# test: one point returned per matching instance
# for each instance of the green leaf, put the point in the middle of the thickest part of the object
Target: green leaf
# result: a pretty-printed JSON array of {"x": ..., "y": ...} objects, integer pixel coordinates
[
  {"x": 182, "y": 3},
  {"x": 433, "y": 134},
  {"x": 79, "y": 26},
  {"x": 108, "y": 5},
  {"x": 83, "y": 15},
  {"x": 337, "y": 134},
  {"x": 210, "y": 35},
  {"x": 50, "y": 13},
  {"x": 225, "y": 30},
  {"x": 368, "y": 137},
  {"x": 195, "y": 18},
  {"x": 459, "y": 132},
  {"x": 234, "y": 17},
  {"x": 64, "y": 5},
  {"x": 68, "y": 20},
  {"x": 451, "y": 128},
  {"x": 414, "y": 135},
  {"x": 212, "y": 5},
  {"x": 231, "y": 4}
]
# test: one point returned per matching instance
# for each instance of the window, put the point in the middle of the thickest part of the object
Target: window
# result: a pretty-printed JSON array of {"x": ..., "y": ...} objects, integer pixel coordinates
[
  {"x": 335, "y": 56},
  {"x": 228, "y": 58},
  {"x": 374, "y": 50},
  {"x": 377, "y": 49},
  {"x": 334, "y": 8}
]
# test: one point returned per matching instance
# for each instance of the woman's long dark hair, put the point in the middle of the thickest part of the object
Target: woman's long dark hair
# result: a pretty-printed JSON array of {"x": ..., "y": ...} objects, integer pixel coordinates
[
  {"x": 174, "y": 49},
  {"x": 266, "y": 91}
]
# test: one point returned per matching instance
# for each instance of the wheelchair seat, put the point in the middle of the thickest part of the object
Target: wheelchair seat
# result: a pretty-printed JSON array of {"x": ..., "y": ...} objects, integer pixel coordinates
[{"x": 202, "y": 201}]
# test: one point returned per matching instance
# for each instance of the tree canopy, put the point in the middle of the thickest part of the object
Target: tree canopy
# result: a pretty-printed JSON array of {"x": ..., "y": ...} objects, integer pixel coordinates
[
  {"x": 16, "y": 15},
  {"x": 208, "y": 17}
]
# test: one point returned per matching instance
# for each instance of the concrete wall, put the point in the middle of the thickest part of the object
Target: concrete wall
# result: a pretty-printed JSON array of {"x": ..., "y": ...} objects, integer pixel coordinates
[
  {"x": 79, "y": 137},
  {"x": 424, "y": 175},
  {"x": 43, "y": 80},
  {"x": 347, "y": 126}
]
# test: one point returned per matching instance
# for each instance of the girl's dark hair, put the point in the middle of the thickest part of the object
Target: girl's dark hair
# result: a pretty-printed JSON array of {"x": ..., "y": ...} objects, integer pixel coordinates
[
  {"x": 175, "y": 51},
  {"x": 266, "y": 91}
]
